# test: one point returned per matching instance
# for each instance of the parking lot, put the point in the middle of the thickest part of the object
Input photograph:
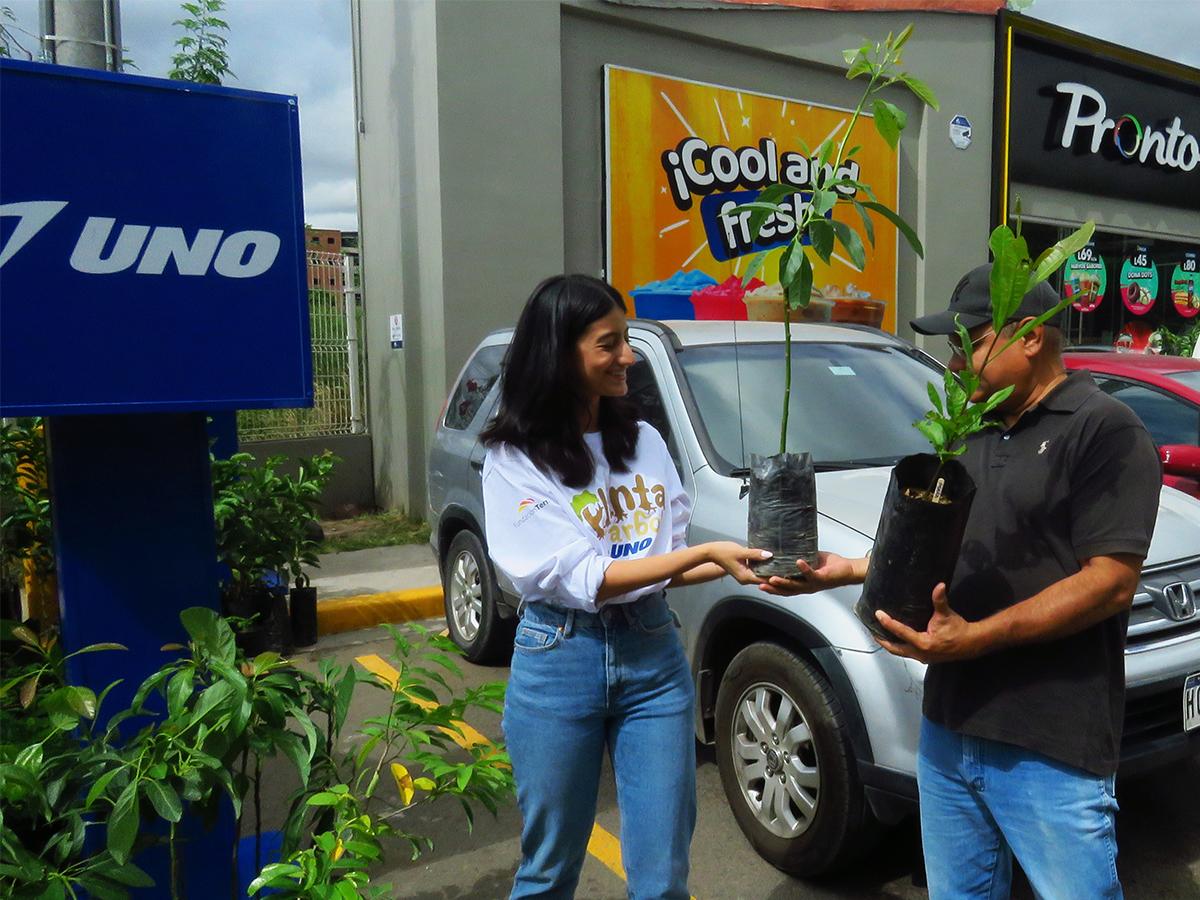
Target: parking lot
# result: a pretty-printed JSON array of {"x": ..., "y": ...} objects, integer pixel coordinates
[{"x": 1159, "y": 832}]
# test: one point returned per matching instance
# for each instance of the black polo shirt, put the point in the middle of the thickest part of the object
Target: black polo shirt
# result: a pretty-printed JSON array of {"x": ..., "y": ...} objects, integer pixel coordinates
[{"x": 1077, "y": 476}]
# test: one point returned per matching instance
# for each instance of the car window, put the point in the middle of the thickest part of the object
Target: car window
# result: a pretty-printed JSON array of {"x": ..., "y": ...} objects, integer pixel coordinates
[
  {"x": 1169, "y": 420},
  {"x": 849, "y": 402},
  {"x": 477, "y": 379},
  {"x": 1190, "y": 378},
  {"x": 646, "y": 394}
]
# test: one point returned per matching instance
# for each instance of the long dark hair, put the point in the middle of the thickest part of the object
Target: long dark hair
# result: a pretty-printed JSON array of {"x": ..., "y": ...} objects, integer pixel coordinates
[{"x": 541, "y": 395}]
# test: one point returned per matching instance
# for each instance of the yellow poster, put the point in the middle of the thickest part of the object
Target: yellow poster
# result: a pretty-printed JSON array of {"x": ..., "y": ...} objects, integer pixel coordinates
[{"x": 680, "y": 155}]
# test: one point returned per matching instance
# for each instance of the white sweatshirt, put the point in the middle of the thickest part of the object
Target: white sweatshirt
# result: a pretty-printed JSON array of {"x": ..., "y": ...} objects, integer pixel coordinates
[{"x": 555, "y": 543}]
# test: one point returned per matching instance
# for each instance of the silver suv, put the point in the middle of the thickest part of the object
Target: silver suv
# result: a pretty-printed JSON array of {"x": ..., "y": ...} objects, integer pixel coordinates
[{"x": 800, "y": 679}]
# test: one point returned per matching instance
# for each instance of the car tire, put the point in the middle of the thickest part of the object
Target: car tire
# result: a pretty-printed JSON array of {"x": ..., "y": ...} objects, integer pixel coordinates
[
  {"x": 470, "y": 595},
  {"x": 816, "y": 819}
]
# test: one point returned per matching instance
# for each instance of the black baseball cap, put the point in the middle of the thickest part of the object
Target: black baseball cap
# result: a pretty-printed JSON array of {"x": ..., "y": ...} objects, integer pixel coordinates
[{"x": 971, "y": 302}]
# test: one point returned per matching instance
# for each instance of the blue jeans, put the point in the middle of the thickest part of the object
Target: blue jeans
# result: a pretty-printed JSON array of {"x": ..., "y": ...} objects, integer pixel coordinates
[
  {"x": 983, "y": 802},
  {"x": 580, "y": 683}
]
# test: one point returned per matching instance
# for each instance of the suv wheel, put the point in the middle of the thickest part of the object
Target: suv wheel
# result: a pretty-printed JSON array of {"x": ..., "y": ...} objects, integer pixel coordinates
[
  {"x": 470, "y": 594},
  {"x": 786, "y": 762}
]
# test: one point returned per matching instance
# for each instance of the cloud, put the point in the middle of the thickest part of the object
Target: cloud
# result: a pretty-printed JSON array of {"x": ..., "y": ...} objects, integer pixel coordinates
[{"x": 1165, "y": 28}]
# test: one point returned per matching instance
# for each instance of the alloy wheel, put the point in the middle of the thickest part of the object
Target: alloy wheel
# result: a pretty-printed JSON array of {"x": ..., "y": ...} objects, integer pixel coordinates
[
  {"x": 466, "y": 596},
  {"x": 775, "y": 760}
]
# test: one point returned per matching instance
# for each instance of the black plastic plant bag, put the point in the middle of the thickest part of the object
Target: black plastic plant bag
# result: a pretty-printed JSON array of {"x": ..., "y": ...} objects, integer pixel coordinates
[
  {"x": 917, "y": 544},
  {"x": 304, "y": 613},
  {"x": 783, "y": 512}
]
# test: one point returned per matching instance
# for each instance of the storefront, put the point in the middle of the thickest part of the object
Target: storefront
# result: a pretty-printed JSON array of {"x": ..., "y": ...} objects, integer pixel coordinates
[{"x": 1084, "y": 130}]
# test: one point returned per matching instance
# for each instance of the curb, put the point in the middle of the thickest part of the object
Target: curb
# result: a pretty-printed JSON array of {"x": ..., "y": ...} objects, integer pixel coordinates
[{"x": 370, "y": 610}]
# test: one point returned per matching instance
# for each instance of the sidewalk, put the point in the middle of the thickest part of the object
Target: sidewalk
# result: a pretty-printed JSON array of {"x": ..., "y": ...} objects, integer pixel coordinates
[{"x": 365, "y": 588}]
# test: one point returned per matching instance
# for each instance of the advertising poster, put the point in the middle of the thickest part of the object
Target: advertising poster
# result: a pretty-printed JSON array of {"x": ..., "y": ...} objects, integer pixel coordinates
[
  {"x": 1139, "y": 282},
  {"x": 681, "y": 154},
  {"x": 1185, "y": 286},
  {"x": 1085, "y": 279}
]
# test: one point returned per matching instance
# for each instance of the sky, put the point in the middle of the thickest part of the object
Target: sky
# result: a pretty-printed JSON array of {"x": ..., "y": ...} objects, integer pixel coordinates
[{"x": 302, "y": 47}]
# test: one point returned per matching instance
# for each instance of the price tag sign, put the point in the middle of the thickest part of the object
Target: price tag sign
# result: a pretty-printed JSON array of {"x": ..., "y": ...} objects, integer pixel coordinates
[
  {"x": 1185, "y": 286},
  {"x": 1085, "y": 279},
  {"x": 1139, "y": 282}
]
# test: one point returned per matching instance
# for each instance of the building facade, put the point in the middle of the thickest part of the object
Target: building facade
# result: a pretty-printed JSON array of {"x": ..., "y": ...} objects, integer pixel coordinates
[{"x": 500, "y": 143}]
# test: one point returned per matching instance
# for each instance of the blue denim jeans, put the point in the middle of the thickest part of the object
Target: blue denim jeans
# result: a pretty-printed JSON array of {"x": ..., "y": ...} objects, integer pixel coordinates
[
  {"x": 984, "y": 802},
  {"x": 582, "y": 683}
]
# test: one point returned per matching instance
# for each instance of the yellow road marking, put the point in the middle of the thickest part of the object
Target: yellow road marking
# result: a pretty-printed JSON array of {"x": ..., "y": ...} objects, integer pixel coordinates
[
  {"x": 602, "y": 845},
  {"x": 607, "y": 849}
]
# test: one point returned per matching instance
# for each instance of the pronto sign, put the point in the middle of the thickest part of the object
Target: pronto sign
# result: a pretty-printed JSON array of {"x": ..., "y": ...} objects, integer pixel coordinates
[{"x": 151, "y": 246}]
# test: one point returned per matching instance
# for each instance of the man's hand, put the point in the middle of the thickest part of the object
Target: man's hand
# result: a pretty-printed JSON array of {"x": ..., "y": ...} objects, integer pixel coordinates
[
  {"x": 831, "y": 571},
  {"x": 947, "y": 637}
]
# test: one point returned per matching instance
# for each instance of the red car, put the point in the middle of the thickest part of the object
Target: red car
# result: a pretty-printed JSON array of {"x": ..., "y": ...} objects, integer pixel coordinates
[{"x": 1165, "y": 393}]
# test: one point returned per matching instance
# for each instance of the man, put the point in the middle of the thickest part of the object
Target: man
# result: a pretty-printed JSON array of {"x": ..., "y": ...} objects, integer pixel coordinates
[{"x": 1024, "y": 695}]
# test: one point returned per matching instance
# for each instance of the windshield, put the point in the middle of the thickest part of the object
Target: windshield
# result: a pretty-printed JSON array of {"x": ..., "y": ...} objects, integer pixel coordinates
[
  {"x": 1189, "y": 378},
  {"x": 851, "y": 404}
]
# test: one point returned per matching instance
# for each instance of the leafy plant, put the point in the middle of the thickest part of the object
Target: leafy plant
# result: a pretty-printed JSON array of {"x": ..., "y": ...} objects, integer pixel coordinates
[
  {"x": 336, "y": 864},
  {"x": 52, "y": 754},
  {"x": 947, "y": 426},
  {"x": 202, "y": 55},
  {"x": 25, "y": 527},
  {"x": 1183, "y": 343},
  {"x": 211, "y": 724},
  {"x": 831, "y": 186},
  {"x": 263, "y": 520}
]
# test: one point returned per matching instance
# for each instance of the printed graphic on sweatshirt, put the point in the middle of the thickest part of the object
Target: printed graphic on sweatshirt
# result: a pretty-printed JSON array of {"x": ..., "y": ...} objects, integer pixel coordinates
[
  {"x": 629, "y": 515},
  {"x": 527, "y": 509}
]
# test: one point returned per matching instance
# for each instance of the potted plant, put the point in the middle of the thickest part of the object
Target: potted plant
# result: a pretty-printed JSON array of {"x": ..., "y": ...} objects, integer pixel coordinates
[
  {"x": 264, "y": 537},
  {"x": 782, "y": 514},
  {"x": 929, "y": 496},
  {"x": 26, "y": 539}
]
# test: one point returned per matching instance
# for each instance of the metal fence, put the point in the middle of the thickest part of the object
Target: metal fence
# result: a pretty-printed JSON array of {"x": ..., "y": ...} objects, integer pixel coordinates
[{"x": 336, "y": 317}]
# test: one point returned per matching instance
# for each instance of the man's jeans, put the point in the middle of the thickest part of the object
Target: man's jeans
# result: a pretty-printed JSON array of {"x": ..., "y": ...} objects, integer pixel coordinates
[
  {"x": 582, "y": 682},
  {"x": 983, "y": 802}
]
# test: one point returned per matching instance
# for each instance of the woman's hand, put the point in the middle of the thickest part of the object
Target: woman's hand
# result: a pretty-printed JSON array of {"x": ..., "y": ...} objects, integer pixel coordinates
[
  {"x": 733, "y": 558},
  {"x": 831, "y": 571}
]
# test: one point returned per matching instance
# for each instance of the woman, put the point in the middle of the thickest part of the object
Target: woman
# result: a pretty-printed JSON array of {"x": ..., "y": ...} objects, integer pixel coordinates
[{"x": 586, "y": 516}]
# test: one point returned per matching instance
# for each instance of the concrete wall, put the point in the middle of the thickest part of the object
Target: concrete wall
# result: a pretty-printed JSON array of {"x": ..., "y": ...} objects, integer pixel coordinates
[
  {"x": 350, "y": 487},
  {"x": 481, "y": 149}
]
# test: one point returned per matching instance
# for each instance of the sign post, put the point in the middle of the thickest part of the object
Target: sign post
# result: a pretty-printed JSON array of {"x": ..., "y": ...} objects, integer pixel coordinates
[{"x": 153, "y": 273}]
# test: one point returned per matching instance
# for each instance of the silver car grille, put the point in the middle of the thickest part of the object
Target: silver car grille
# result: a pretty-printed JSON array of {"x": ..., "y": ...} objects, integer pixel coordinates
[{"x": 1167, "y": 604}]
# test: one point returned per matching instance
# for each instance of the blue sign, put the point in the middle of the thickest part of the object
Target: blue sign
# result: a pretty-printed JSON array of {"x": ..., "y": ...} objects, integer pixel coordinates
[
  {"x": 728, "y": 232},
  {"x": 151, "y": 246}
]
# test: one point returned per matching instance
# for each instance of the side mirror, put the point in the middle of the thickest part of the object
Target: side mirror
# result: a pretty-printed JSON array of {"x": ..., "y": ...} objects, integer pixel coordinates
[{"x": 1180, "y": 459}]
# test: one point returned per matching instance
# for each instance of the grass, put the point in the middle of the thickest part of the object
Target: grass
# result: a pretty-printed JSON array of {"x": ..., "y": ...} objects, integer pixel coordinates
[{"x": 386, "y": 529}]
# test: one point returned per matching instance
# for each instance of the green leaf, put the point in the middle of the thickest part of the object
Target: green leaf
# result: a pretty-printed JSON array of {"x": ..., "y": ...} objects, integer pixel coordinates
[
  {"x": 324, "y": 798},
  {"x": 849, "y": 239},
  {"x": 789, "y": 262},
  {"x": 130, "y": 875},
  {"x": 799, "y": 291},
  {"x": 996, "y": 399},
  {"x": 934, "y": 433},
  {"x": 1053, "y": 257},
  {"x": 769, "y": 197},
  {"x": 1009, "y": 281},
  {"x": 820, "y": 231},
  {"x": 935, "y": 398},
  {"x": 756, "y": 264},
  {"x": 868, "y": 225},
  {"x": 100, "y": 786},
  {"x": 904, "y": 228},
  {"x": 123, "y": 824},
  {"x": 164, "y": 800},
  {"x": 902, "y": 37},
  {"x": 823, "y": 201},
  {"x": 26, "y": 636},
  {"x": 920, "y": 89},
  {"x": 294, "y": 750},
  {"x": 889, "y": 121}
]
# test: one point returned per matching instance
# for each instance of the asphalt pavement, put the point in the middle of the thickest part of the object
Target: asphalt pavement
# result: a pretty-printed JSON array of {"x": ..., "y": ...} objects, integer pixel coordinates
[{"x": 1159, "y": 829}]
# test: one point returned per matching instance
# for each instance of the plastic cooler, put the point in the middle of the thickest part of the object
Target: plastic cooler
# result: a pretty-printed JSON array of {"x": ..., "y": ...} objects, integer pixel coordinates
[
  {"x": 670, "y": 298},
  {"x": 723, "y": 301}
]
